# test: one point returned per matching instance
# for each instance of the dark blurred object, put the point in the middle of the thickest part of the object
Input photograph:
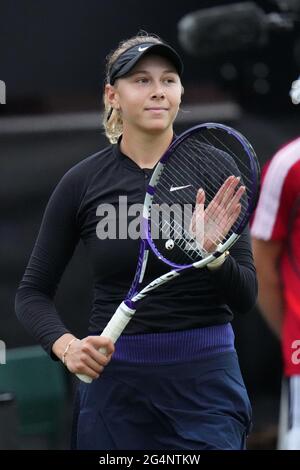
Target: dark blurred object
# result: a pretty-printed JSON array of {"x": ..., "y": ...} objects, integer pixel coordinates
[
  {"x": 215, "y": 30},
  {"x": 228, "y": 28},
  {"x": 288, "y": 5},
  {"x": 39, "y": 386},
  {"x": 236, "y": 42},
  {"x": 9, "y": 422},
  {"x": 263, "y": 440}
]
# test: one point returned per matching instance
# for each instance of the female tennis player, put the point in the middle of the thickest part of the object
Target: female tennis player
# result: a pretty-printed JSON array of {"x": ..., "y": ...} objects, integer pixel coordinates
[{"x": 172, "y": 380}]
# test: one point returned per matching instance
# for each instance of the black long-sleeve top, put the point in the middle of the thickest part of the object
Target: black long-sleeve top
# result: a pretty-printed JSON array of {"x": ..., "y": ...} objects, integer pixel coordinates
[{"x": 74, "y": 213}]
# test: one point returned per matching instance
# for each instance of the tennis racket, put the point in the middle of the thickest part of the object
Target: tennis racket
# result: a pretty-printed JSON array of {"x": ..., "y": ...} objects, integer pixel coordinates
[{"x": 199, "y": 199}]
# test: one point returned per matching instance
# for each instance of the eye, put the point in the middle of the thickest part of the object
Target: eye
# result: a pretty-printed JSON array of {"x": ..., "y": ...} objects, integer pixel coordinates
[
  {"x": 170, "y": 80},
  {"x": 142, "y": 80}
]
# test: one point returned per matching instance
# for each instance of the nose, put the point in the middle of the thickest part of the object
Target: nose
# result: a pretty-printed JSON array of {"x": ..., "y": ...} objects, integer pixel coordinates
[{"x": 158, "y": 92}]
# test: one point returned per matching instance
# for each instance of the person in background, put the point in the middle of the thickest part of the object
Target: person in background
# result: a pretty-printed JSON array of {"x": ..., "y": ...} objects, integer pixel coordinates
[{"x": 278, "y": 281}]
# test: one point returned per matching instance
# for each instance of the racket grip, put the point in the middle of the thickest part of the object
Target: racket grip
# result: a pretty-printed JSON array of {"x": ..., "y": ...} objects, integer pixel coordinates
[{"x": 113, "y": 330}]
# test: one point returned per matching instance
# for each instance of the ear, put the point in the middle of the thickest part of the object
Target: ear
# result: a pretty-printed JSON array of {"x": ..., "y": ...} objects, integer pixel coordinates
[{"x": 112, "y": 96}]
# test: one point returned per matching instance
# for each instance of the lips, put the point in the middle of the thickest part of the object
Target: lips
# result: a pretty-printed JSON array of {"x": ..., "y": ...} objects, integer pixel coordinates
[{"x": 156, "y": 109}]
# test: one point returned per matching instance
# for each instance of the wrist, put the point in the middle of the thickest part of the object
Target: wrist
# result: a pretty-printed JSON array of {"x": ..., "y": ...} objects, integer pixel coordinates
[
  {"x": 218, "y": 262},
  {"x": 60, "y": 344},
  {"x": 66, "y": 350}
]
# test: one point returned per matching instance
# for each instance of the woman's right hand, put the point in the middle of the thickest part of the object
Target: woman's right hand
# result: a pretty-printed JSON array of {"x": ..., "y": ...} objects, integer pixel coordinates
[
  {"x": 209, "y": 226},
  {"x": 83, "y": 356}
]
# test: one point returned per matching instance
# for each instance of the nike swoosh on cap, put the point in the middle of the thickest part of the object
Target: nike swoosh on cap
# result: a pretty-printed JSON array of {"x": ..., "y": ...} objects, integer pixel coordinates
[
  {"x": 176, "y": 188},
  {"x": 143, "y": 48}
]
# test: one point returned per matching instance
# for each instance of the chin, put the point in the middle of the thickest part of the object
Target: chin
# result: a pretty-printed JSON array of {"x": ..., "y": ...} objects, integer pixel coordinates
[
  {"x": 158, "y": 126},
  {"x": 157, "y": 129}
]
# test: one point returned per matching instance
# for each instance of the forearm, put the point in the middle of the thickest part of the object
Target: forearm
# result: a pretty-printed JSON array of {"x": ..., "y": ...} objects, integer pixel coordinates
[
  {"x": 236, "y": 279},
  {"x": 38, "y": 314},
  {"x": 54, "y": 247},
  {"x": 236, "y": 284}
]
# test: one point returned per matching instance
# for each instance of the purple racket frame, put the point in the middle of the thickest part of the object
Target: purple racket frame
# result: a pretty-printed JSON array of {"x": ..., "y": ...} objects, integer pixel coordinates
[{"x": 128, "y": 307}]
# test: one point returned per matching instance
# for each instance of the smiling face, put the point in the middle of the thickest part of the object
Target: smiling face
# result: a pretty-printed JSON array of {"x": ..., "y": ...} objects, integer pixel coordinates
[{"x": 149, "y": 97}]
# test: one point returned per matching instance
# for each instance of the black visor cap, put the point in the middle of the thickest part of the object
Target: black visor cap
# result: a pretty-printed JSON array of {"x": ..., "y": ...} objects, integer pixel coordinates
[{"x": 126, "y": 61}]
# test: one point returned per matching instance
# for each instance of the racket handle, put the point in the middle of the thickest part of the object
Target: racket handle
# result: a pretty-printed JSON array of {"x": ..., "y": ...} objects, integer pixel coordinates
[{"x": 113, "y": 330}]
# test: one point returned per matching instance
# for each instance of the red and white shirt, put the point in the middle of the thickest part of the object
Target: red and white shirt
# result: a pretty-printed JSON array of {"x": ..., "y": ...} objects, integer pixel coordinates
[{"x": 280, "y": 189}]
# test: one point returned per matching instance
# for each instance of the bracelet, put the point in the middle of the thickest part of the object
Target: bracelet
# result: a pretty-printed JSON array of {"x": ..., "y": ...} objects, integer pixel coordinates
[
  {"x": 216, "y": 263},
  {"x": 63, "y": 358}
]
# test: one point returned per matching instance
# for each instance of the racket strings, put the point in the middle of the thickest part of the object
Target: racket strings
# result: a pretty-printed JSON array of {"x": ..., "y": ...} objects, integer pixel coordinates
[
  {"x": 184, "y": 240},
  {"x": 181, "y": 232},
  {"x": 211, "y": 190},
  {"x": 216, "y": 166},
  {"x": 185, "y": 162},
  {"x": 197, "y": 163},
  {"x": 228, "y": 150},
  {"x": 170, "y": 179},
  {"x": 244, "y": 181}
]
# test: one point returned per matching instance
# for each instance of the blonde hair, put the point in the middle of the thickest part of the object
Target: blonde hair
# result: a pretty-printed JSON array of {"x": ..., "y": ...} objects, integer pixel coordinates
[{"x": 112, "y": 119}]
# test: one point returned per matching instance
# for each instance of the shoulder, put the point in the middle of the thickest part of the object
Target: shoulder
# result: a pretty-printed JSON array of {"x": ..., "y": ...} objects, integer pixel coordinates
[
  {"x": 74, "y": 183},
  {"x": 79, "y": 175},
  {"x": 88, "y": 165},
  {"x": 280, "y": 186},
  {"x": 281, "y": 175},
  {"x": 285, "y": 163}
]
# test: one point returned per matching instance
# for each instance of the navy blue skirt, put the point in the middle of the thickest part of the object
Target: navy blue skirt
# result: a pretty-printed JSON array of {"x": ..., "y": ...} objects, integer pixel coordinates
[{"x": 193, "y": 405}]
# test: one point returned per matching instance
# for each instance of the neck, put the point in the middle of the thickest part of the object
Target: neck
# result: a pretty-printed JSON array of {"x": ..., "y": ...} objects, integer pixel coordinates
[{"x": 146, "y": 150}]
